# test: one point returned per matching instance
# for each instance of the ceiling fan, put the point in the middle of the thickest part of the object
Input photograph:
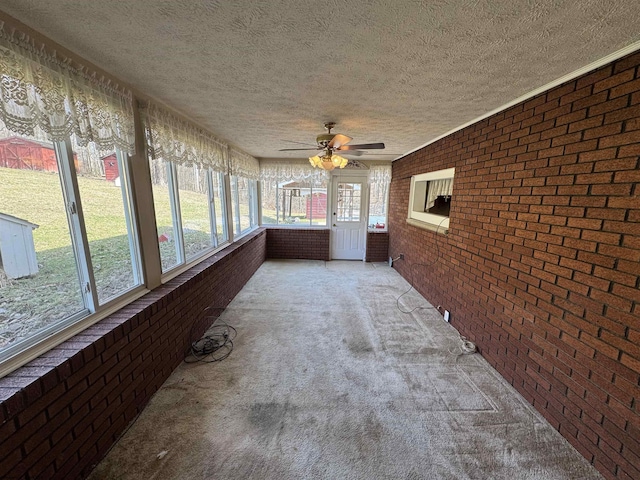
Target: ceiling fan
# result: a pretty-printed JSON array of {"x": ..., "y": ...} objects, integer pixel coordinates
[{"x": 329, "y": 143}]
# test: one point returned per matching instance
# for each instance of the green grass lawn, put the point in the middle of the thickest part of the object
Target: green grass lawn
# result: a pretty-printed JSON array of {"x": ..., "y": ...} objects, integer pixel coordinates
[{"x": 28, "y": 304}]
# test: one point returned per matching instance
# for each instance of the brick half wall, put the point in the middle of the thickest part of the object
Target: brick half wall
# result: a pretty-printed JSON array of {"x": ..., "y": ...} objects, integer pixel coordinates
[
  {"x": 60, "y": 413},
  {"x": 541, "y": 267},
  {"x": 298, "y": 243},
  {"x": 377, "y": 247}
]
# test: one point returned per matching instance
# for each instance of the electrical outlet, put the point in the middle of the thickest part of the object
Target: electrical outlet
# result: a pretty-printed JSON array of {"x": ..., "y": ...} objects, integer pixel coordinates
[
  {"x": 402, "y": 256},
  {"x": 390, "y": 262},
  {"x": 446, "y": 315}
]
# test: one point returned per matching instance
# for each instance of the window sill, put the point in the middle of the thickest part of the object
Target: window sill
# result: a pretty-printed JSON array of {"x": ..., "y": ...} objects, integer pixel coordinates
[
  {"x": 428, "y": 226},
  {"x": 57, "y": 334},
  {"x": 246, "y": 232},
  {"x": 180, "y": 269}
]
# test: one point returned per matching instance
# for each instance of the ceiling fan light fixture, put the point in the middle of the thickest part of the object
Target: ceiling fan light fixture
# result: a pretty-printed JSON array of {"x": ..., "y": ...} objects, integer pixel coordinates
[
  {"x": 328, "y": 161},
  {"x": 316, "y": 161},
  {"x": 339, "y": 161},
  {"x": 327, "y": 164}
]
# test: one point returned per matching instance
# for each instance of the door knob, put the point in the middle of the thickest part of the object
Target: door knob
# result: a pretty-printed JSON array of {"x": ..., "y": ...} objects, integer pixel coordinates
[{"x": 334, "y": 225}]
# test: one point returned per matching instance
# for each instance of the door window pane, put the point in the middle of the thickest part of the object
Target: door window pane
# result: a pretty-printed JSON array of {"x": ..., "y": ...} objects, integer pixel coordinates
[
  {"x": 193, "y": 192},
  {"x": 39, "y": 283},
  {"x": 349, "y": 199},
  {"x": 165, "y": 213}
]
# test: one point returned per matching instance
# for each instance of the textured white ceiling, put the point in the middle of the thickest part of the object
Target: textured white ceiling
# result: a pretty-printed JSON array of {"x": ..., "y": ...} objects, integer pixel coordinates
[{"x": 402, "y": 72}]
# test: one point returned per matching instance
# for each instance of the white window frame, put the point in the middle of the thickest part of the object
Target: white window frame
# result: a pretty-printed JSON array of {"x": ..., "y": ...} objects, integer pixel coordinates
[
  {"x": 386, "y": 212},
  {"x": 182, "y": 262},
  {"x": 417, "y": 196},
  {"x": 48, "y": 337},
  {"x": 235, "y": 206},
  {"x": 306, "y": 224}
]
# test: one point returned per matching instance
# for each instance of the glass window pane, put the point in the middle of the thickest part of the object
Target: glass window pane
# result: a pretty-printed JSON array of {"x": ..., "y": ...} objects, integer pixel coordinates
[
  {"x": 294, "y": 203},
  {"x": 316, "y": 204},
  {"x": 107, "y": 217},
  {"x": 349, "y": 196},
  {"x": 193, "y": 192},
  {"x": 165, "y": 213},
  {"x": 244, "y": 197},
  {"x": 39, "y": 283},
  {"x": 378, "y": 197},
  {"x": 241, "y": 199},
  {"x": 293, "y": 200},
  {"x": 219, "y": 206},
  {"x": 268, "y": 192}
]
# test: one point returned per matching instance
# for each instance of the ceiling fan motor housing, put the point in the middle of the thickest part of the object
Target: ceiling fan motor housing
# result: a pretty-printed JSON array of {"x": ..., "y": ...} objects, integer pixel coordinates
[{"x": 324, "y": 138}]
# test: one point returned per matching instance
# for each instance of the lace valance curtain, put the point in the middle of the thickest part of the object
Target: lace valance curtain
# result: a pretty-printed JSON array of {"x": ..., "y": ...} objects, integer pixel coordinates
[
  {"x": 40, "y": 90},
  {"x": 176, "y": 140},
  {"x": 380, "y": 174},
  {"x": 443, "y": 187},
  {"x": 243, "y": 164},
  {"x": 282, "y": 171}
]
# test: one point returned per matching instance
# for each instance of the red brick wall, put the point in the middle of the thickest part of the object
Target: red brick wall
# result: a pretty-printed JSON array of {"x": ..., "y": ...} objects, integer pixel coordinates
[
  {"x": 377, "y": 247},
  {"x": 60, "y": 413},
  {"x": 300, "y": 243},
  {"x": 541, "y": 266}
]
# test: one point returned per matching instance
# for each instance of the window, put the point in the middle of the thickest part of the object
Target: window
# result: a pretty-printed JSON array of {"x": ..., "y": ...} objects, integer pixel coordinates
[
  {"x": 349, "y": 202},
  {"x": 105, "y": 190},
  {"x": 39, "y": 277},
  {"x": 378, "y": 205},
  {"x": 187, "y": 166},
  {"x": 68, "y": 245},
  {"x": 218, "y": 204},
  {"x": 244, "y": 197},
  {"x": 165, "y": 209},
  {"x": 430, "y": 199},
  {"x": 195, "y": 210},
  {"x": 295, "y": 203},
  {"x": 190, "y": 211}
]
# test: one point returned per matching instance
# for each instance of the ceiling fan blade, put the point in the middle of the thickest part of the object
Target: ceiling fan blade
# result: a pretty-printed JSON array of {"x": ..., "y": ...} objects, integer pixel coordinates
[
  {"x": 363, "y": 146},
  {"x": 353, "y": 153},
  {"x": 339, "y": 140},
  {"x": 296, "y": 149},
  {"x": 299, "y": 143}
]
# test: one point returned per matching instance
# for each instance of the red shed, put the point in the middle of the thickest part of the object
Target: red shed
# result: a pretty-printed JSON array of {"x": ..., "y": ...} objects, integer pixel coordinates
[
  {"x": 25, "y": 154},
  {"x": 317, "y": 203},
  {"x": 111, "y": 171}
]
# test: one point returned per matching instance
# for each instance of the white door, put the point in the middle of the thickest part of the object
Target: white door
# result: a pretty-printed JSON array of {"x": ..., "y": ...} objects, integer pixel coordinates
[{"x": 348, "y": 218}]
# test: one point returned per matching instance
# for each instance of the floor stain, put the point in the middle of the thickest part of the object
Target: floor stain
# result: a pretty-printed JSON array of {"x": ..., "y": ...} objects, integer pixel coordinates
[{"x": 267, "y": 416}]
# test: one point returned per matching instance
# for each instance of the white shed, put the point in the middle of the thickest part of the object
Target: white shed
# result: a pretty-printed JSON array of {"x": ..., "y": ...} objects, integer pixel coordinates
[{"x": 17, "y": 251}]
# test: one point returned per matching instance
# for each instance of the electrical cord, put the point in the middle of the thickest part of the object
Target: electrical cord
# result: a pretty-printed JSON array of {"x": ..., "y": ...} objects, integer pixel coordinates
[
  {"x": 466, "y": 347},
  {"x": 426, "y": 265},
  {"x": 217, "y": 342},
  {"x": 411, "y": 288},
  {"x": 215, "y": 346}
]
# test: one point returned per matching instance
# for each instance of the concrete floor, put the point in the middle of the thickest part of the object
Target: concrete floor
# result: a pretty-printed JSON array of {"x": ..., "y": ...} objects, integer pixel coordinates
[{"x": 328, "y": 379}]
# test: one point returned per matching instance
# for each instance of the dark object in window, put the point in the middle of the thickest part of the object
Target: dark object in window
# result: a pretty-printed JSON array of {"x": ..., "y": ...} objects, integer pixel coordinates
[{"x": 441, "y": 206}]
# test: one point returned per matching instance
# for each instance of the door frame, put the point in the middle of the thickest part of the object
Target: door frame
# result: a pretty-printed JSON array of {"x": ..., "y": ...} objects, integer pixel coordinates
[{"x": 356, "y": 175}]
